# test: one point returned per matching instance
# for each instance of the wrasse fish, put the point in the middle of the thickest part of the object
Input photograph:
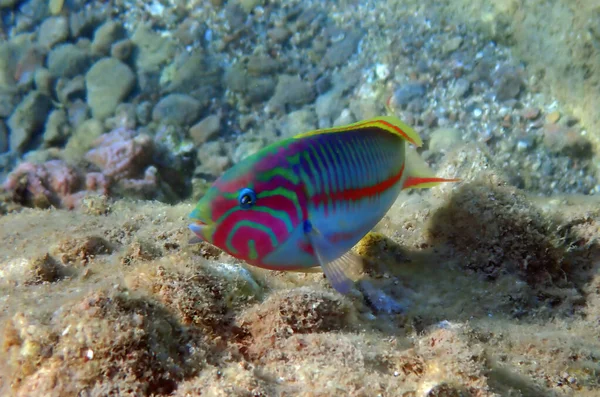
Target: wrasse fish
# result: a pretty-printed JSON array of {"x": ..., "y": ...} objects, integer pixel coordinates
[{"x": 306, "y": 201}]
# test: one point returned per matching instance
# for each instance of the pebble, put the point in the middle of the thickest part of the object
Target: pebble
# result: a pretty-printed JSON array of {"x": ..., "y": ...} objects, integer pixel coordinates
[
  {"x": 561, "y": 139},
  {"x": 278, "y": 34},
  {"x": 104, "y": 90},
  {"x": 55, "y": 6},
  {"x": 508, "y": 84},
  {"x": 291, "y": 90},
  {"x": 329, "y": 105},
  {"x": 553, "y": 117},
  {"x": 407, "y": 92},
  {"x": 28, "y": 119},
  {"x": 3, "y": 137},
  {"x": 57, "y": 129},
  {"x": 121, "y": 49},
  {"x": 298, "y": 122},
  {"x": 52, "y": 31},
  {"x": 382, "y": 71},
  {"x": 153, "y": 49},
  {"x": 531, "y": 113},
  {"x": 107, "y": 34},
  {"x": 260, "y": 88},
  {"x": 69, "y": 90},
  {"x": 345, "y": 117},
  {"x": 7, "y": 104},
  {"x": 205, "y": 129},
  {"x": 262, "y": 65},
  {"x": 452, "y": 44},
  {"x": 340, "y": 52},
  {"x": 461, "y": 88},
  {"x": 444, "y": 139},
  {"x": 179, "y": 109},
  {"x": 211, "y": 158},
  {"x": 67, "y": 60}
]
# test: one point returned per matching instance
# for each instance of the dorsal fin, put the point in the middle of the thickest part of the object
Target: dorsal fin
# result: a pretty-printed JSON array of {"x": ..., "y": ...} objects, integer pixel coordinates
[{"x": 390, "y": 124}]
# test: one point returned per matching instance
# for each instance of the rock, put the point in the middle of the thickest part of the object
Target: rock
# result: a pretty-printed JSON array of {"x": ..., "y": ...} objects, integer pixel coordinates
[
  {"x": 83, "y": 22},
  {"x": 107, "y": 34},
  {"x": 407, "y": 92},
  {"x": 78, "y": 111},
  {"x": 260, "y": 88},
  {"x": 8, "y": 61},
  {"x": 83, "y": 140},
  {"x": 291, "y": 90},
  {"x": 152, "y": 50},
  {"x": 249, "y": 5},
  {"x": 43, "y": 81},
  {"x": 461, "y": 88},
  {"x": 30, "y": 270},
  {"x": 279, "y": 34},
  {"x": 189, "y": 73},
  {"x": 212, "y": 159},
  {"x": 8, "y": 101},
  {"x": 236, "y": 78},
  {"x": 569, "y": 141},
  {"x": 340, "y": 52},
  {"x": 553, "y": 117},
  {"x": 3, "y": 137},
  {"x": 452, "y": 44},
  {"x": 70, "y": 90},
  {"x": 55, "y": 6},
  {"x": 108, "y": 82},
  {"x": 8, "y": 3},
  {"x": 329, "y": 105},
  {"x": 346, "y": 117},
  {"x": 57, "y": 128},
  {"x": 531, "y": 113},
  {"x": 262, "y": 65},
  {"x": 205, "y": 129},
  {"x": 178, "y": 109},
  {"x": 67, "y": 60},
  {"x": 52, "y": 31},
  {"x": 28, "y": 119},
  {"x": 508, "y": 83},
  {"x": 143, "y": 112},
  {"x": 245, "y": 149},
  {"x": 122, "y": 49},
  {"x": 298, "y": 122},
  {"x": 443, "y": 139},
  {"x": 190, "y": 31}
]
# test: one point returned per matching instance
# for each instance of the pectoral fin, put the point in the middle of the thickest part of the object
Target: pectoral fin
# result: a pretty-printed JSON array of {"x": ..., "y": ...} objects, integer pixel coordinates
[{"x": 341, "y": 271}]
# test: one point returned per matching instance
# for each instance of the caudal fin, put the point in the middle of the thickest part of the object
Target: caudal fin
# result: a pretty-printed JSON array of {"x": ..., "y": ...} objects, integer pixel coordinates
[{"x": 419, "y": 174}]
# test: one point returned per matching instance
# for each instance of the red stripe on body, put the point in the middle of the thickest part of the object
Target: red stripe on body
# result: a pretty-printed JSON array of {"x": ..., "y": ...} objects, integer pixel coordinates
[{"x": 359, "y": 193}]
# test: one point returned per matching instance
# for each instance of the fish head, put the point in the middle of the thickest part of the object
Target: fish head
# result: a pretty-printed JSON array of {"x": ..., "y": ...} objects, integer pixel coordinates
[{"x": 251, "y": 209}]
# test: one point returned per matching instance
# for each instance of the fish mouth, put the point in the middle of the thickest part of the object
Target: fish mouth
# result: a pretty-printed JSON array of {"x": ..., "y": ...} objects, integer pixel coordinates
[{"x": 201, "y": 229}]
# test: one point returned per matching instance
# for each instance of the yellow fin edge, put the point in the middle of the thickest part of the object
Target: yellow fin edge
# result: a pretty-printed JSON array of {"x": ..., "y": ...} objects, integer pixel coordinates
[{"x": 390, "y": 124}]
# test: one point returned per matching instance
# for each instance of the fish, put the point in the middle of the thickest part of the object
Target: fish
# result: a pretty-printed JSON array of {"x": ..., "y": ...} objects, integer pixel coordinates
[{"x": 302, "y": 203}]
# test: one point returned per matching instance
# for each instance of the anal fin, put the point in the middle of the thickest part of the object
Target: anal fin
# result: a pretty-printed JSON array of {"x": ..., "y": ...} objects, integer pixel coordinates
[{"x": 341, "y": 271}]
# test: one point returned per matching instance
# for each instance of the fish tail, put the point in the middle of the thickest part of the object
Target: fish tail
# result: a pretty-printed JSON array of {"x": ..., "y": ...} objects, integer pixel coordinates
[{"x": 419, "y": 175}]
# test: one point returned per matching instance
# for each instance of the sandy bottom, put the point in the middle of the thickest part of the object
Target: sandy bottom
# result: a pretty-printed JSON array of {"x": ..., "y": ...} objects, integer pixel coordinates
[{"x": 501, "y": 297}]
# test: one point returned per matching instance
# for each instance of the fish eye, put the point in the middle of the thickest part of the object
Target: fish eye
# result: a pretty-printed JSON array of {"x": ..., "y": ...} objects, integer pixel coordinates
[{"x": 247, "y": 198}]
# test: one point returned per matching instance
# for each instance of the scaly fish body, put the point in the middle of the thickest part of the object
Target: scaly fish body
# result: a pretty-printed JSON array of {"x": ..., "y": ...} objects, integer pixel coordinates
[{"x": 306, "y": 201}]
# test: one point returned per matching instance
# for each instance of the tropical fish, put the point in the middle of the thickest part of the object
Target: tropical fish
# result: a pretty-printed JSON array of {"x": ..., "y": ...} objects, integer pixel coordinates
[{"x": 305, "y": 201}]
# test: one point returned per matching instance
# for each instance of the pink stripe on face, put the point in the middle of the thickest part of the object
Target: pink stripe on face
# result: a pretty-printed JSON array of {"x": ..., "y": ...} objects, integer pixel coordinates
[{"x": 260, "y": 238}]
